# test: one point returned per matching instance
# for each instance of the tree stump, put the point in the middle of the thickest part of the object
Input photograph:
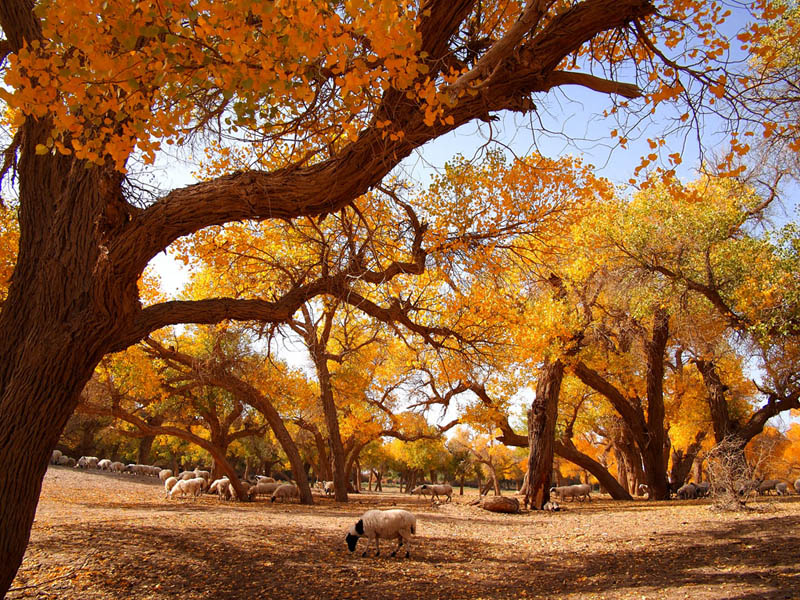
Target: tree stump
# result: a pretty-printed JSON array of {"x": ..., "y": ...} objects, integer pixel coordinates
[{"x": 502, "y": 504}]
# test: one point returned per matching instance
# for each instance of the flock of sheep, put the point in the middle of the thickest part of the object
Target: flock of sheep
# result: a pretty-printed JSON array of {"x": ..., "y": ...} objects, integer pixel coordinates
[
  {"x": 193, "y": 483},
  {"x": 104, "y": 464},
  {"x": 767, "y": 486},
  {"x": 374, "y": 524}
]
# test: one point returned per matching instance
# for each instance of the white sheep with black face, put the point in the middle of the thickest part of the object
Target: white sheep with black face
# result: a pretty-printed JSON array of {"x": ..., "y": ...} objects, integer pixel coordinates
[{"x": 386, "y": 524}]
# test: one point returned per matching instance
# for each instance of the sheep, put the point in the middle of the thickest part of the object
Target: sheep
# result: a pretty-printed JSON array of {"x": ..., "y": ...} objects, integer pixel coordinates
[
  {"x": 797, "y": 485},
  {"x": 87, "y": 462},
  {"x": 580, "y": 491},
  {"x": 329, "y": 488},
  {"x": 267, "y": 488},
  {"x": 204, "y": 474},
  {"x": 444, "y": 489},
  {"x": 192, "y": 487},
  {"x": 104, "y": 465},
  {"x": 687, "y": 492},
  {"x": 423, "y": 490},
  {"x": 387, "y": 524},
  {"x": 766, "y": 486},
  {"x": 117, "y": 467},
  {"x": 222, "y": 487},
  {"x": 165, "y": 474},
  {"x": 702, "y": 489},
  {"x": 169, "y": 483},
  {"x": 186, "y": 475},
  {"x": 264, "y": 479},
  {"x": 285, "y": 491},
  {"x": 55, "y": 457},
  {"x": 64, "y": 461},
  {"x": 781, "y": 488},
  {"x": 551, "y": 506}
]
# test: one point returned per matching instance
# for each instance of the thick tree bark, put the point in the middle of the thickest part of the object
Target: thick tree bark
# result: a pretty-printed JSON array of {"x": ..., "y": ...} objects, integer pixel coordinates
[
  {"x": 567, "y": 450},
  {"x": 73, "y": 296},
  {"x": 541, "y": 434},
  {"x": 334, "y": 437},
  {"x": 682, "y": 462},
  {"x": 648, "y": 432}
]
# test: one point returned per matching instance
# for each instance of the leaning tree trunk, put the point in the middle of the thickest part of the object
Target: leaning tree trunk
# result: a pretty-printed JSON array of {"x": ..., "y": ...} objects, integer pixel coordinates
[
  {"x": 566, "y": 449},
  {"x": 64, "y": 310},
  {"x": 541, "y": 434}
]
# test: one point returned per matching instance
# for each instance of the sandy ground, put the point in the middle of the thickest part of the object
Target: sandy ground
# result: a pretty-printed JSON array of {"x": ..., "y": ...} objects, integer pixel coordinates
[{"x": 112, "y": 536}]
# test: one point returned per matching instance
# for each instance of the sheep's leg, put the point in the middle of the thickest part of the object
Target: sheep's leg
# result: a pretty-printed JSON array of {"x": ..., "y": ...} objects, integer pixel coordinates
[
  {"x": 377, "y": 548},
  {"x": 399, "y": 544}
]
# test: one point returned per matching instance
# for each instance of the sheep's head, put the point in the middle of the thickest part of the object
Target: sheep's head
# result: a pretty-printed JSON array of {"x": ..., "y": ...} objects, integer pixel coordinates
[{"x": 355, "y": 532}]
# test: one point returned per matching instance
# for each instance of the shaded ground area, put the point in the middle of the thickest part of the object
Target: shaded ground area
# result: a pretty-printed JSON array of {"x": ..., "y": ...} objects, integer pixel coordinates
[{"x": 111, "y": 536}]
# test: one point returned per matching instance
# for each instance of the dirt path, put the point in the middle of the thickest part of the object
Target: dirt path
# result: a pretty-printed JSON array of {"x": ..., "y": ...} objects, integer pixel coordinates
[{"x": 111, "y": 536}]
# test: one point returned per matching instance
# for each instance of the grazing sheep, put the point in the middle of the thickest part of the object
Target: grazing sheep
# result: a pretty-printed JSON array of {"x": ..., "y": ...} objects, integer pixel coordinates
[
  {"x": 781, "y": 488},
  {"x": 193, "y": 487},
  {"x": 104, "y": 465},
  {"x": 169, "y": 483},
  {"x": 117, "y": 467},
  {"x": 87, "y": 462},
  {"x": 186, "y": 475},
  {"x": 443, "y": 489},
  {"x": 222, "y": 487},
  {"x": 703, "y": 489},
  {"x": 285, "y": 491},
  {"x": 329, "y": 488},
  {"x": 267, "y": 488},
  {"x": 264, "y": 479},
  {"x": 64, "y": 461},
  {"x": 55, "y": 457},
  {"x": 387, "y": 524},
  {"x": 580, "y": 491},
  {"x": 687, "y": 492},
  {"x": 766, "y": 486},
  {"x": 165, "y": 474},
  {"x": 204, "y": 474}
]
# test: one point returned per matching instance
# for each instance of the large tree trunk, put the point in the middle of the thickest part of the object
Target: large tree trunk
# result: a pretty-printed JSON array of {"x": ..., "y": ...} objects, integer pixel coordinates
[
  {"x": 653, "y": 449},
  {"x": 340, "y": 477},
  {"x": 541, "y": 434},
  {"x": 721, "y": 420},
  {"x": 61, "y": 315},
  {"x": 682, "y": 461}
]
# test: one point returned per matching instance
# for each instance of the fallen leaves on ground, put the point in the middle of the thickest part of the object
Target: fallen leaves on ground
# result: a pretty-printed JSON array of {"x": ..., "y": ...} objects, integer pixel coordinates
[{"x": 111, "y": 536}]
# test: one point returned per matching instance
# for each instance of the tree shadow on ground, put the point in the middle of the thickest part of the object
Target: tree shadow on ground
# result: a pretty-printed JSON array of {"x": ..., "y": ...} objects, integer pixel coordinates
[{"x": 161, "y": 560}]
